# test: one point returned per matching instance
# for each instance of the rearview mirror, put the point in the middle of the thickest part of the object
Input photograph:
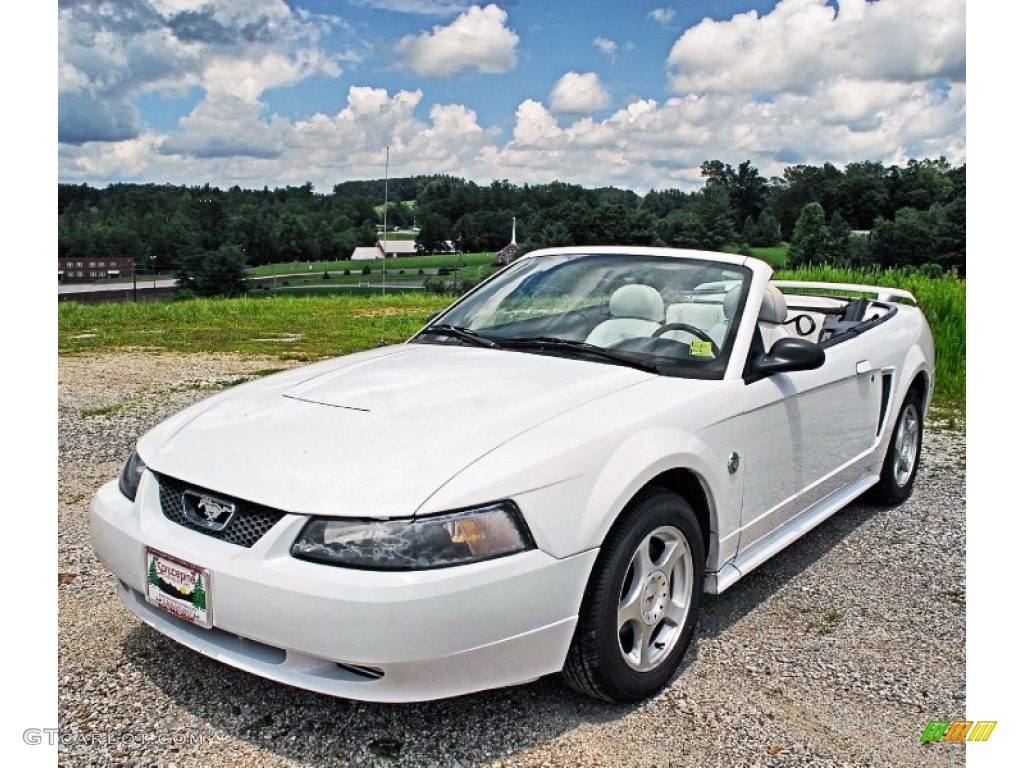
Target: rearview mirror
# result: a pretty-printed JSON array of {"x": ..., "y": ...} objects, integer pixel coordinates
[{"x": 791, "y": 354}]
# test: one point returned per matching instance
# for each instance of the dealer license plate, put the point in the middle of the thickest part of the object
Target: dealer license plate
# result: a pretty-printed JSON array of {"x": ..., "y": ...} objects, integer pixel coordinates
[{"x": 180, "y": 588}]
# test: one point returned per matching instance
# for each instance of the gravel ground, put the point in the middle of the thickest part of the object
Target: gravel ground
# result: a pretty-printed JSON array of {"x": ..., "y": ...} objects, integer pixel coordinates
[{"x": 837, "y": 652}]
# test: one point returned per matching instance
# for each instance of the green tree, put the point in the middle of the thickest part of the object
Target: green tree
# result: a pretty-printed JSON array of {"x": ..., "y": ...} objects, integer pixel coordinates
[
  {"x": 862, "y": 194},
  {"x": 682, "y": 229},
  {"x": 214, "y": 273},
  {"x": 803, "y": 184},
  {"x": 293, "y": 241},
  {"x": 950, "y": 227},
  {"x": 660, "y": 203},
  {"x": 837, "y": 245},
  {"x": 485, "y": 230},
  {"x": 810, "y": 236},
  {"x": 642, "y": 228},
  {"x": 920, "y": 184},
  {"x": 435, "y": 230},
  {"x": 324, "y": 242},
  {"x": 551, "y": 235},
  {"x": 253, "y": 230},
  {"x": 763, "y": 233},
  {"x": 210, "y": 217},
  {"x": 746, "y": 187},
  {"x": 908, "y": 241},
  {"x": 399, "y": 215},
  {"x": 199, "y": 594},
  {"x": 716, "y": 219}
]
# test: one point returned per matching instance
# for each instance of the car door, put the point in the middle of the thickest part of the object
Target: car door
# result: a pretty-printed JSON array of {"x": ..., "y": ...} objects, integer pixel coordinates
[{"x": 808, "y": 433}]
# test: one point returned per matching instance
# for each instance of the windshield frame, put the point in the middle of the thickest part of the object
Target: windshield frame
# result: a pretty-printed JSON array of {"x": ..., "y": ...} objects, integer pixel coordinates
[{"x": 616, "y": 262}]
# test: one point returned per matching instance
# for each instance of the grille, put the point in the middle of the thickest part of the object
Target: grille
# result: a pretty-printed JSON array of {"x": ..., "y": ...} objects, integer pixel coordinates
[{"x": 247, "y": 526}]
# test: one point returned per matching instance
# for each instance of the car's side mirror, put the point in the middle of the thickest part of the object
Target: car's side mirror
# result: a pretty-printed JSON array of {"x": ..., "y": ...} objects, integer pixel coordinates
[{"x": 791, "y": 354}]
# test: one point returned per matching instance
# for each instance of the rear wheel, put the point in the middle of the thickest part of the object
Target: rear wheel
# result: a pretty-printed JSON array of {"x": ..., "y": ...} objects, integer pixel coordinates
[
  {"x": 641, "y": 605},
  {"x": 903, "y": 455}
]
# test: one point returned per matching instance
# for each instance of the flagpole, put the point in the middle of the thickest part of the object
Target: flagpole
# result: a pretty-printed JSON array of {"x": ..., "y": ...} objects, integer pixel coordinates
[{"x": 384, "y": 264}]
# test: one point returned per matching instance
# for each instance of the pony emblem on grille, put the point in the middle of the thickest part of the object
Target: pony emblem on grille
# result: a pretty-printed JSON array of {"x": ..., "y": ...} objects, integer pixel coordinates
[{"x": 206, "y": 511}]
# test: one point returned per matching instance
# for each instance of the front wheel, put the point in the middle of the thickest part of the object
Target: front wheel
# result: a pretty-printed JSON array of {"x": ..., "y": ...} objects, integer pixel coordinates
[
  {"x": 641, "y": 604},
  {"x": 902, "y": 458}
]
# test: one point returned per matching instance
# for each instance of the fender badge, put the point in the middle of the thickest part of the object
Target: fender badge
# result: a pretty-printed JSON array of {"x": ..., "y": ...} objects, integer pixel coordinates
[{"x": 734, "y": 463}]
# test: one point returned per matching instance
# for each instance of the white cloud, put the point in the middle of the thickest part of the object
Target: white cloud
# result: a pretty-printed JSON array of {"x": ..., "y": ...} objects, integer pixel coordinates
[
  {"x": 478, "y": 39},
  {"x": 651, "y": 145},
  {"x": 324, "y": 149},
  {"x": 662, "y": 16},
  {"x": 579, "y": 94},
  {"x": 227, "y": 126},
  {"x": 535, "y": 125},
  {"x": 606, "y": 46},
  {"x": 110, "y": 53},
  {"x": 802, "y": 43},
  {"x": 841, "y": 96},
  {"x": 646, "y": 144}
]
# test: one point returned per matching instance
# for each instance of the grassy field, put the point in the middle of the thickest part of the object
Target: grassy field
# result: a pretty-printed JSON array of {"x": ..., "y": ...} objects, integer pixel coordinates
[
  {"x": 295, "y": 328},
  {"x": 408, "y": 263},
  {"x": 397, "y": 279},
  {"x": 316, "y": 326},
  {"x": 943, "y": 301},
  {"x": 330, "y": 288},
  {"x": 776, "y": 256}
]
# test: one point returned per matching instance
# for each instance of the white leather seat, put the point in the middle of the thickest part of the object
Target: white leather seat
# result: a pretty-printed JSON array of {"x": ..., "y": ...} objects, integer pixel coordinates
[
  {"x": 771, "y": 316},
  {"x": 703, "y": 315},
  {"x": 636, "y": 310},
  {"x": 730, "y": 304}
]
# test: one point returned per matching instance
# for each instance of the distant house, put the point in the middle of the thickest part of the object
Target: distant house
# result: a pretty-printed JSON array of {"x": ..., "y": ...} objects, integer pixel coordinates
[
  {"x": 398, "y": 247},
  {"x": 393, "y": 248},
  {"x": 367, "y": 253},
  {"x": 77, "y": 269}
]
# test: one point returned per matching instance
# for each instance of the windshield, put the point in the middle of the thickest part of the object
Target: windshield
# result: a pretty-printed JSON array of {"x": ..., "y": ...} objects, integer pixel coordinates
[{"x": 660, "y": 313}]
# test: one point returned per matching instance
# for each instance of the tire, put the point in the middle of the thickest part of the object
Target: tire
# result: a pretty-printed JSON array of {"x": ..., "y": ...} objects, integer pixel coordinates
[
  {"x": 641, "y": 604},
  {"x": 903, "y": 456}
]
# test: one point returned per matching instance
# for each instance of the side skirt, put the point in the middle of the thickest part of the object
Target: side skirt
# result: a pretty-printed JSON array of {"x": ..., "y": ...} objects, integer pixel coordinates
[{"x": 748, "y": 560}]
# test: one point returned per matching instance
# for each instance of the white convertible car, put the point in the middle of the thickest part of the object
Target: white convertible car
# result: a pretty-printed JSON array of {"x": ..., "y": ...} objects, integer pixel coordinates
[{"x": 546, "y": 478}]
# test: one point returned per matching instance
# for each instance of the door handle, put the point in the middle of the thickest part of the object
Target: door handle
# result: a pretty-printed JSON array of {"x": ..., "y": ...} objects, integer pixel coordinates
[{"x": 864, "y": 366}]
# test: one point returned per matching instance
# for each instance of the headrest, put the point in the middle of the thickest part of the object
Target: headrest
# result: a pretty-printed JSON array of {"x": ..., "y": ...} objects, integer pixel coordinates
[
  {"x": 773, "y": 306},
  {"x": 731, "y": 302},
  {"x": 639, "y": 301},
  {"x": 695, "y": 313}
]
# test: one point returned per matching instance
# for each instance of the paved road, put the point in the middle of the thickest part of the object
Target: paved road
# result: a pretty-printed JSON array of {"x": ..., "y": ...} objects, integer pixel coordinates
[
  {"x": 147, "y": 285},
  {"x": 66, "y": 288}
]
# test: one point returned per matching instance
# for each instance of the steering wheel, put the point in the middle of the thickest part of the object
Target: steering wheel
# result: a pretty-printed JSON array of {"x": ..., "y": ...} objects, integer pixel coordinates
[{"x": 690, "y": 329}]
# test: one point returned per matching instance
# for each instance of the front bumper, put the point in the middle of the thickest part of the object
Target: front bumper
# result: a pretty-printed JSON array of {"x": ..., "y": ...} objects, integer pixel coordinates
[{"x": 369, "y": 635}]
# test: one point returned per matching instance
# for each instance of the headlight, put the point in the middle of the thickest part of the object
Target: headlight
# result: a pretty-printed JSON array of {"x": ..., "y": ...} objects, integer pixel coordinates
[
  {"x": 131, "y": 475},
  {"x": 437, "y": 541}
]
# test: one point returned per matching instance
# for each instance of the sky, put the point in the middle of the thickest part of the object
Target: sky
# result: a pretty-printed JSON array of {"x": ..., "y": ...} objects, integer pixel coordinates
[{"x": 628, "y": 93}]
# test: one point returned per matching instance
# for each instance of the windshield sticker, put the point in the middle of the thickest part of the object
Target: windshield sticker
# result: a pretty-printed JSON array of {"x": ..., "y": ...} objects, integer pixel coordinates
[{"x": 701, "y": 349}]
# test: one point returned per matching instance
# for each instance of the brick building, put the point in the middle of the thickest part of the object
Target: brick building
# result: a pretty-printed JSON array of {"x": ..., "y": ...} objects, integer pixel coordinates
[{"x": 77, "y": 269}]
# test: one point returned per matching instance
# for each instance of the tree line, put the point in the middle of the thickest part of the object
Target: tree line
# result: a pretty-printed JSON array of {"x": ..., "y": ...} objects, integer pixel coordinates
[{"x": 915, "y": 214}]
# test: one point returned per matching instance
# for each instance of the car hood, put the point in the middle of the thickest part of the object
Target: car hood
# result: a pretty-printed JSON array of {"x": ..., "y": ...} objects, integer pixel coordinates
[{"x": 372, "y": 434}]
